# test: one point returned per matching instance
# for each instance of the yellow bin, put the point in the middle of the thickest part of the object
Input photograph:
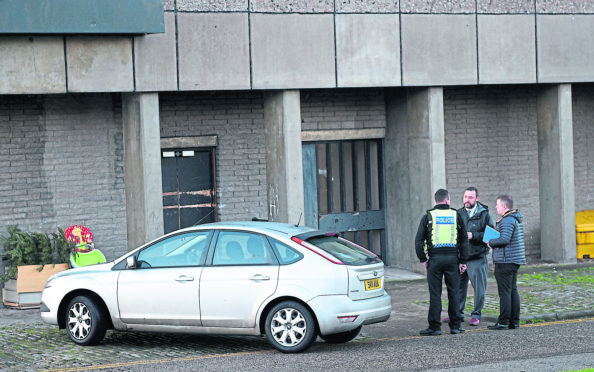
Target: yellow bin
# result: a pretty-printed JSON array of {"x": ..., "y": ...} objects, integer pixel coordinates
[{"x": 584, "y": 227}]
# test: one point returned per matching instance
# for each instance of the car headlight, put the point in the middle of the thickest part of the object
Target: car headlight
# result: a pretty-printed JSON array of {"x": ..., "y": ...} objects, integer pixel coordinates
[{"x": 48, "y": 283}]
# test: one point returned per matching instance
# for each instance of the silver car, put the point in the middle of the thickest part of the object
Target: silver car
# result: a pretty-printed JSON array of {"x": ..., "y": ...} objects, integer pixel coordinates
[{"x": 288, "y": 283}]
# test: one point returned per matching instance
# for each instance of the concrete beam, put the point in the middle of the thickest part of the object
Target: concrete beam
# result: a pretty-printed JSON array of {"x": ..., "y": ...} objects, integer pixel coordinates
[
  {"x": 284, "y": 168},
  {"x": 415, "y": 156},
  {"x": 32, "y": 65},
  {"x": 556, "y": 178},
  {"x": 142, "y": 151}
]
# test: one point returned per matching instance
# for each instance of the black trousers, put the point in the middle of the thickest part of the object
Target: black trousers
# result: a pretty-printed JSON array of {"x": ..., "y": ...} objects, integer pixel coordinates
[
  {"x": 506, "y": 275},
  {"x": 446, "y": 267}
]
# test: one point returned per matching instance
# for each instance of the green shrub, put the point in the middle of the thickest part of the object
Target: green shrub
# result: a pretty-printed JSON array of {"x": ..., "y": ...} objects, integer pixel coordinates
[{"x": 23, "y": 248}]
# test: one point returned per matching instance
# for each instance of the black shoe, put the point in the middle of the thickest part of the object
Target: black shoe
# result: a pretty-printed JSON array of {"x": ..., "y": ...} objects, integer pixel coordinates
[
  {"x": 514, "y": 326},
  {"x": 456, "y": 331},
  {"x": 430, "y": 332},
  {"x": 498, "y": 326}
]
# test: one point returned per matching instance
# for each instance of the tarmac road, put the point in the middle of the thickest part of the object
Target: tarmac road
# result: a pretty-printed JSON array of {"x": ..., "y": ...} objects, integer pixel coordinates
[{"x": 548, "y": 293}]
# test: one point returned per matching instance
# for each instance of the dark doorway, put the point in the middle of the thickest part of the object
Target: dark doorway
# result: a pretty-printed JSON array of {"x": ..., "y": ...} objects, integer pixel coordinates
[
  {"x": 344, "y": 190},
  {"x": 189, "y": 194}
]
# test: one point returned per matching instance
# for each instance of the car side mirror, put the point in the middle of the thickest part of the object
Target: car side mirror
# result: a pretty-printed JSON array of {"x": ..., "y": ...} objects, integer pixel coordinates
[{"x": 131, "y": 262}]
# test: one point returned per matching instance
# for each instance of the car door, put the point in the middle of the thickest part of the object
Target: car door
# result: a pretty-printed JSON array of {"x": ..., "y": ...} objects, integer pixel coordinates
[
  {"x": 163, "y": 288},
  {"x": 242, "y": 274}
]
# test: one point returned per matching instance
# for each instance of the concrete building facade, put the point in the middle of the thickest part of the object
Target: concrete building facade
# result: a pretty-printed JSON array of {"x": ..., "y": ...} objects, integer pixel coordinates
[{"x": 498, "y": 95}]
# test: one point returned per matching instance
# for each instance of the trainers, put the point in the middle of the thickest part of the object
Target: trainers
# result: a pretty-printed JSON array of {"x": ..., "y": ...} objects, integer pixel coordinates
[
  {"x": 430, "y": 332},
  {"x": 456, "y": 331},
  {"x": 474, "y": 322}
]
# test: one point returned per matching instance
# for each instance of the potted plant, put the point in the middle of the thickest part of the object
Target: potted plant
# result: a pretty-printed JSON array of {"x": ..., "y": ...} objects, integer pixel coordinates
[{"x": 32, "y": 259}]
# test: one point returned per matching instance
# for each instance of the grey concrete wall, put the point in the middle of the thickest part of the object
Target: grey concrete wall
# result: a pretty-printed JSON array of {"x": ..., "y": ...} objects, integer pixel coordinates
[
  {"x": 61, "y": 164},
  {"x": 237, "y": 119},
  {"x": 142, "y": 157},
  {"x": 367, "y": 50},
  {"x": 292, "y": 51},
  {"x": 344, "y": 109},
  {"x": 583, "y": 137},
  {"x": 239, "y": 45},
  {"x": 506, "y": 49},
  {"x": 414, "y": 166},
  {"x": 438, "y": 50},
  {"x": 565, "y": 48},
  {"x": 556, "y": 182},
  {"x": 213, "y": 51},
  {"x": 155, "y": 62},
  {"x": 99, "y": 64},
  {"x": 33, "y": 64},
  {"x": 491, "y": 143},
  {"x": 284, "y": 162}
]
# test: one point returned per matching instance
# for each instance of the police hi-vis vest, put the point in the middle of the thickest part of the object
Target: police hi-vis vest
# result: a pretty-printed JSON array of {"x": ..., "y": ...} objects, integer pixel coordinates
[{"x": 443, "y": 232}]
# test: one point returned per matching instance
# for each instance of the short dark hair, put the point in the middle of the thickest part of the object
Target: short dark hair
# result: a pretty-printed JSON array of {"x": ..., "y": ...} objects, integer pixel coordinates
[
  {"x": 506, "y": 200},
  {"x": 441, "y": 195},
  {"x": 472, "y": 188}
]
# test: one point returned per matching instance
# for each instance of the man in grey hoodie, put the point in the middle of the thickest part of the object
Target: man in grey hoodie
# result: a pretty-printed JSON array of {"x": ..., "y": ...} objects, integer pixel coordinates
[{"x": 508, "y": 254}]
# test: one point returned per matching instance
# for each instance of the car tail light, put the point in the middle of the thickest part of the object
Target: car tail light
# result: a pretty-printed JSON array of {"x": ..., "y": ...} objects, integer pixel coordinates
[
  {"x": 315, "y": 249},
  {"x": 348, "y": 318}
]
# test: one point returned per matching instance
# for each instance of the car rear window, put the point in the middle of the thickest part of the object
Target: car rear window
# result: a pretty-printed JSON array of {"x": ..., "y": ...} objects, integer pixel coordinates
[{"x": 347, "y": 252}]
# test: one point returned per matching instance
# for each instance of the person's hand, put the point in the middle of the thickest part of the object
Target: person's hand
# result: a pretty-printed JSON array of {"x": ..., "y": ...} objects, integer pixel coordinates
[
  {"x": 425, "y": 264},
  {"x": 469, "y": 235},
  {"x": 462, "y": 268},
  {"x": 488, "y": 245}
]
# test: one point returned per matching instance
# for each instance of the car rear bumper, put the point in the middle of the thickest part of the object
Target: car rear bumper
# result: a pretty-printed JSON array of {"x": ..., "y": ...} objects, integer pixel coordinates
[{"x": 337, "y": 313}]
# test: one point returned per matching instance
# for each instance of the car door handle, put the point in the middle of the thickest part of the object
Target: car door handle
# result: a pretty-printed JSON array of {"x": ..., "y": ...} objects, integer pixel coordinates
[
  {"x": 184, "y": 278},
  {"x": 259, "y": 277}
]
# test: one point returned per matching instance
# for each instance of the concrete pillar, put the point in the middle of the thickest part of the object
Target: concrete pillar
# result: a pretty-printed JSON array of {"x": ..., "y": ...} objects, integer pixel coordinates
[
  {"x": 142, "y": 151},
  {"x": 415, "y": 166},
  {"x": 556, "y": 179},
  {"x": 284, "y": 170}
]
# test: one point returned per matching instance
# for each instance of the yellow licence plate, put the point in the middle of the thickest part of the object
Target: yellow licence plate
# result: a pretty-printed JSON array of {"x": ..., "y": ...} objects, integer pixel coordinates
[{"x": 372, "y": 284}]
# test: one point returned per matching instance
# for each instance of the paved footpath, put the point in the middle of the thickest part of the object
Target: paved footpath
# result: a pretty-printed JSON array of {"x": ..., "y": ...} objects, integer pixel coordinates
[{"x": 548, "y": 292}]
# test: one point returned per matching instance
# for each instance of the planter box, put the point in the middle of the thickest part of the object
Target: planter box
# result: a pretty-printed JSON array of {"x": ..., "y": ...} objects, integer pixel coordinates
[{"x": 24, "y": 292}]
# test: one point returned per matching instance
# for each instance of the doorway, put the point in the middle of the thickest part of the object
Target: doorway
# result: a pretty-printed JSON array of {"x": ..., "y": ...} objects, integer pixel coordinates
[
  {"x": 189, "y": 193},
  {"x": 344, "y": 190}
]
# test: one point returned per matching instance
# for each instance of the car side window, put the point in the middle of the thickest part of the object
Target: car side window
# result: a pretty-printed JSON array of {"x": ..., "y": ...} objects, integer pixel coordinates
[
  {"x": 285, "y": 254},
  {"x": 241, "y": 248},
  {"x": 178, "y": 250}
]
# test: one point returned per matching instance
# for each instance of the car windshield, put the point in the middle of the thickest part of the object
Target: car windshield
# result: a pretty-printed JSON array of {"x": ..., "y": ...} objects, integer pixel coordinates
[{"x": 347, "y": 252}]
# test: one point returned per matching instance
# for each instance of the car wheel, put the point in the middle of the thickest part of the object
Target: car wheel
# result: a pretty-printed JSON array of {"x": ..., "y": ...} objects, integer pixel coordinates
[
  {"x": 85, "y": 323},
  {"x": 342, "y": 337},
  {"x": 290, "y": 327}
]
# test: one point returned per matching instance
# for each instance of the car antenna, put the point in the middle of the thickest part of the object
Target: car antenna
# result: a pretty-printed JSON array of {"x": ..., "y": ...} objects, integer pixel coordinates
[
  {"x": 298, "y": 222},
  {"x": 208, "y": 214}
]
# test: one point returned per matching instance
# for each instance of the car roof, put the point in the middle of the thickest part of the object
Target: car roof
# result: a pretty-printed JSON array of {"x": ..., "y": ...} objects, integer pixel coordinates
[{"x": 273, "y": 228}]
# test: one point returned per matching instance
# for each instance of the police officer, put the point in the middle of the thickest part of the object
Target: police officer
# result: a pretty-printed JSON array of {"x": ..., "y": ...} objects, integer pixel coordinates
[{"x": 442, "y": 233}]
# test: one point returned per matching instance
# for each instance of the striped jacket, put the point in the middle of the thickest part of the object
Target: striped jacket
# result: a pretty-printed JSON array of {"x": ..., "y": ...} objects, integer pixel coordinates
[{"x": 509, "y": 247}]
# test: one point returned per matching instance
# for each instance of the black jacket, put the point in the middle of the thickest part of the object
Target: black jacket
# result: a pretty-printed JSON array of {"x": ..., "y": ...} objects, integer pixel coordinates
[
  {"x": 477, "y": 225},
  {"x": 422, "y": 238}
]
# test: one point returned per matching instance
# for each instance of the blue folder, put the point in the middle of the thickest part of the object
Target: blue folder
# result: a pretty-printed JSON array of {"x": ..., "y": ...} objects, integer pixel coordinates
[{"x": 490, "y": 233}]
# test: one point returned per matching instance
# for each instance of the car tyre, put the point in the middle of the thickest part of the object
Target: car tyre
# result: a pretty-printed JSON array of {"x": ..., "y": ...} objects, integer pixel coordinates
[
  {"x": 85, "y": 323},
  {"x": 342, "y": 337},
  {"x": 290, "y": 327}
]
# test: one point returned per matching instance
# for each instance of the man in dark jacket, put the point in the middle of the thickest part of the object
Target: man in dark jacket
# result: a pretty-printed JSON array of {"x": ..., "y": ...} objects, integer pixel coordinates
[
  {"x": 508, "y": 255},
  {"x": 476, "y": 217},
  {"x": 443, "y": 233}
]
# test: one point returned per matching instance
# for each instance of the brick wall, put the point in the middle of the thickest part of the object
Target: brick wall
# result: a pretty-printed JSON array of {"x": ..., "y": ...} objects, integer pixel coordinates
[
  {"x": 342, "y": 109},
  {"x": 61, "y": 163},
  {"x": 491, "y": 143},
  {"x": 583, "y": 137},
  {"x": 237, "y": 119}
]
